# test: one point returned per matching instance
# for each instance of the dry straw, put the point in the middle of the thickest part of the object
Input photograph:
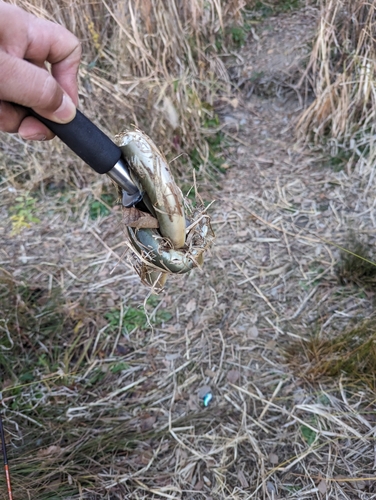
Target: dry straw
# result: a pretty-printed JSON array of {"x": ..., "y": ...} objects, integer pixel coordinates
[
  {"x": 341, "y": 71},
  {"x": 152, "y": 63}
]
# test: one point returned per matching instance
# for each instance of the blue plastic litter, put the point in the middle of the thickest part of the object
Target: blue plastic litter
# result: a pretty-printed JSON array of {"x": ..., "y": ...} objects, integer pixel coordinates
[{"x": 207, "y": 398}]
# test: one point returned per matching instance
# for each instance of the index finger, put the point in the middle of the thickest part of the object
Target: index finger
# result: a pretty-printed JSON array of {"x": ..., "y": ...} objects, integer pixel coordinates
[{"x": 51, "y": 42}]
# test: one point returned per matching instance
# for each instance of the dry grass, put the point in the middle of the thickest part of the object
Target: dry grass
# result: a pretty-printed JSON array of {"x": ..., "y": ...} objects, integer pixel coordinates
[
  {"x": 151, "y": 63},
  {"x": 350, "y": 354},
  {"x": 341, "y": 72},
  {"x": 102, "y": 398}
]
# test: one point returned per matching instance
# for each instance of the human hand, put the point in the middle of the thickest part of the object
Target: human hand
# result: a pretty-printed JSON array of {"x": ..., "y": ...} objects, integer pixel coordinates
[{"x": 26, "y": 44}]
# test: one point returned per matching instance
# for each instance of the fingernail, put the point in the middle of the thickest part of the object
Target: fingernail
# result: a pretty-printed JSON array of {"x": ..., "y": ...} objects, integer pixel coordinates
[
  {"x": 67, "y": 110},
  {"x": 35, "y": 137}
]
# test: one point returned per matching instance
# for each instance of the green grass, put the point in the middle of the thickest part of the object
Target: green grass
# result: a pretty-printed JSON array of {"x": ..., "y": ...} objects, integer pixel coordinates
[
  {"x": 308, "y": 434},
  {"x": 119, "y": 367},
  {"x": 100, "y": 208},
  {"x": 22, "y": 213},
  {"x": 239, "y": 35},
  {"x": 136, "y": 317}
]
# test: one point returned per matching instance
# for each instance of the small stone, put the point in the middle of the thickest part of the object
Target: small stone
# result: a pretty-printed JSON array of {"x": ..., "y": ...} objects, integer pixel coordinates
[
  {"x": 322, "y": 486},
  {"x": 206, "y": 481},
  {"x": 242, "y": 479},
  {"x": 191, "y": 305},
  {"x": 273, "y": 458},
  {"x": 270, "y": 487},
  {"x": 253, "y": 332},
  {"x": 148, "y": 423},
  {"x": 199, "y": 485},
  {"x": 233, "y": 376}
]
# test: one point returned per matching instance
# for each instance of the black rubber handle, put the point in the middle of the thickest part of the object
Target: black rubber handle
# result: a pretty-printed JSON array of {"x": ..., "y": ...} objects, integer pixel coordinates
[{"x": 86, "y": 140}]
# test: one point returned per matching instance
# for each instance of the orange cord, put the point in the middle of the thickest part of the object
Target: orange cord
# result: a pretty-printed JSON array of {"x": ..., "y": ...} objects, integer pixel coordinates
[{"x": 9, "y": 486}]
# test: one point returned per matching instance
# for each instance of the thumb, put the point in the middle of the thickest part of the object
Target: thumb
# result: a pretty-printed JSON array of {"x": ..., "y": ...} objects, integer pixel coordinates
[{"x": 26, "y": 84}]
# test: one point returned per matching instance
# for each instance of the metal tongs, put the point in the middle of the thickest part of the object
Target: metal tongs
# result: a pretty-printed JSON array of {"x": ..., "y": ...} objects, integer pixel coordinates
[{"x": 97, "y": 150}]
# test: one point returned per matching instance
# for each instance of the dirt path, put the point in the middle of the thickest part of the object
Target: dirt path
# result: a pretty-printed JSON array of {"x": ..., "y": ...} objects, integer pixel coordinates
[{"x": 126, "y": 421}]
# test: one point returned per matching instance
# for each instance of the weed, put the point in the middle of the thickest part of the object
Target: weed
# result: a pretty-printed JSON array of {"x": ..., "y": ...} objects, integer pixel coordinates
[
  {"x": 219, "y": 42},
  {"x": 235, "y": 36},
  {"x": 215, "y": 147},
  {"x": 340, "y": 160},
  {"x": 323, "y": 399},
  {"x": 136, "y": 318},
  {"x": 119, "y": 367},
  {"x": 293, "y": 489},
  {"x": 256, "y": 75},
  {"x": 100, "y": 208},
  {"x": 23, "y": 213},
  {"x": 264, "y": 9},
  {"x": 239, "y": 35},
  {"x": 96, "y": 376},
  {"x": 214, "y": 160},
  {"x": 287, "y": 5},
  {"x": 308, "y": 434},
  {"x": 273, "y": 7}
]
